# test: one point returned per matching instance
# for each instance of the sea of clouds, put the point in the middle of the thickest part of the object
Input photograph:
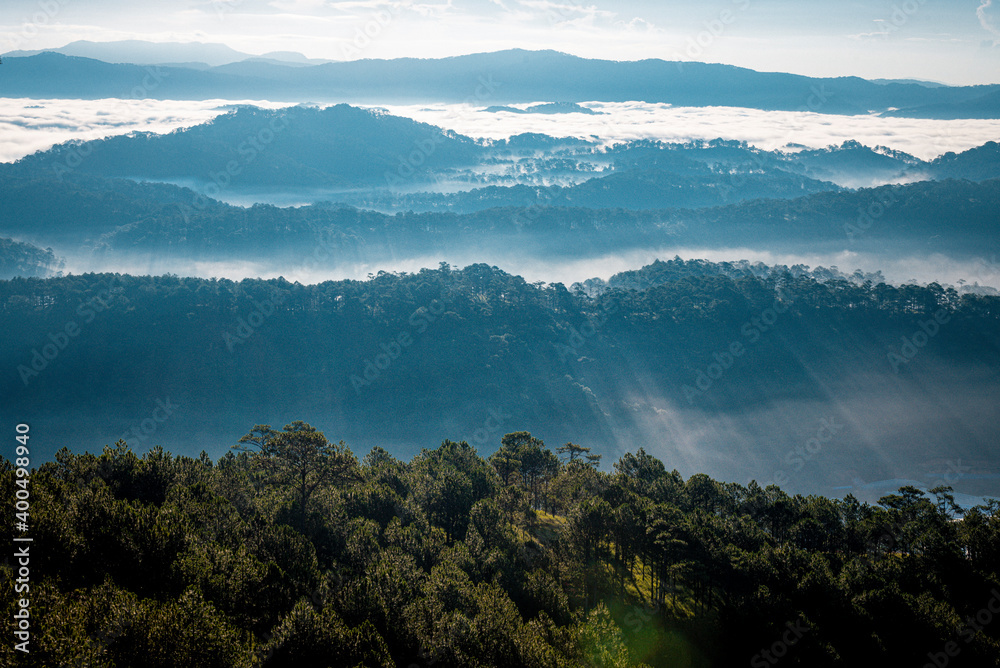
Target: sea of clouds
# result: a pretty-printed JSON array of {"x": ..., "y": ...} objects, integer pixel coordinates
[
  {"x": 29, "y": 125},
  {"x": 769, "y": 130}
]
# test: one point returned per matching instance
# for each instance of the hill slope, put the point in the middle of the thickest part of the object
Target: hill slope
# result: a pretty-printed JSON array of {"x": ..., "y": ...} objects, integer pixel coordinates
[{"x": 440, "y": 351}]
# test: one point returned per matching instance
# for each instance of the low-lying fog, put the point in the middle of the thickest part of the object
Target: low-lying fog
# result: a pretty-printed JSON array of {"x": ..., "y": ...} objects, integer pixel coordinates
[
  {"x": 28, "y": 125},
  {"x": 896, "y": 269}
]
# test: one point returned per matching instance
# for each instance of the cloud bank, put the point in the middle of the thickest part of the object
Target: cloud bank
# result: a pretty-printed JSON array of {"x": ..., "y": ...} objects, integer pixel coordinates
[
  {"x": 27, "y": 125},
  {"x": 924, "y": 138}
]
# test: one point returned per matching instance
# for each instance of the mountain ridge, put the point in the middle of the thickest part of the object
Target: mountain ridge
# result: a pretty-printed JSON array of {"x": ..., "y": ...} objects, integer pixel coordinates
[
  {"x": 501, "y": 77},
  {"x": 144, "y": 52}
]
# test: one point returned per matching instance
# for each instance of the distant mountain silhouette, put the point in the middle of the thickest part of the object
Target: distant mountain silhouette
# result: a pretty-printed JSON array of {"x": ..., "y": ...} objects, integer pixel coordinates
[
  {"x": 140, "y": 52},
  {"x": 499, "y": 78},
  {"x": 548, "y": 108},
  {"x": 919, "y": 82},
  {"x": 978, "y": 106}
]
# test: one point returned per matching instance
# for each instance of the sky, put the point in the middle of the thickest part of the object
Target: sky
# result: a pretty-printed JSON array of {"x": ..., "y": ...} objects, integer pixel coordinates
[{"x": 950, "y": 41}]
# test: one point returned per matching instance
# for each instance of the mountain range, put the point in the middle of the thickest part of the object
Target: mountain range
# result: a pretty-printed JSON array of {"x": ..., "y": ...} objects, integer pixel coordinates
[
  {"x": 341, "y": 148},
  {"x": 502, "y": 77},
  {"x": 196, "y": 55},
  {"x": 647, "y": 357},
  {"x": 380, "y": 188}
]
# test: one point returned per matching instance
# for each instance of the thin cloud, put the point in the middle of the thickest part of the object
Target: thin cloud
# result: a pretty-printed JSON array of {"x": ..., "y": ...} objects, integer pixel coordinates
[
  {"x": 986, "y": 21},
  {"x": 637, "y": 24},
  {"x": 567, "y": 13}
]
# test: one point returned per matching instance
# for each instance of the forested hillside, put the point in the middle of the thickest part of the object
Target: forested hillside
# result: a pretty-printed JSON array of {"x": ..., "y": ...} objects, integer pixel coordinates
[
  {"x": 301, "y": 146},
  {"x": 22, "y": 259},
  {"x": 714, "y": 367},
  {"x": 120, "y": 217},
  {"x": 291, "y": 552},
  {"x": 331, "y": 342}
]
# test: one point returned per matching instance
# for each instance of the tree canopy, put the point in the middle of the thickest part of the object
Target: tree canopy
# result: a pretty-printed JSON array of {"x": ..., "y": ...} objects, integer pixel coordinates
[{"x": 288, "y": 551}]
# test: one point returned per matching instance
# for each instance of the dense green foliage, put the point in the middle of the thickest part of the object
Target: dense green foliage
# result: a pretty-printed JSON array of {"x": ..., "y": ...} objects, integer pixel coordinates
[{"x": 453, "y": 560}]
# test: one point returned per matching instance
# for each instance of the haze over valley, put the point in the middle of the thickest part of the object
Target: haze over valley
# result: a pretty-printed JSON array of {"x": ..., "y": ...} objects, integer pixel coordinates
[
  {"x": 567, "y": 193},
  {"x": 511, "y": 333}
]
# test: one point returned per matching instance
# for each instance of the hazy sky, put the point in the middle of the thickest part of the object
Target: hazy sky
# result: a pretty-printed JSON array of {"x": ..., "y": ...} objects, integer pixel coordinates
[{"x": 954, "y": 41}]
